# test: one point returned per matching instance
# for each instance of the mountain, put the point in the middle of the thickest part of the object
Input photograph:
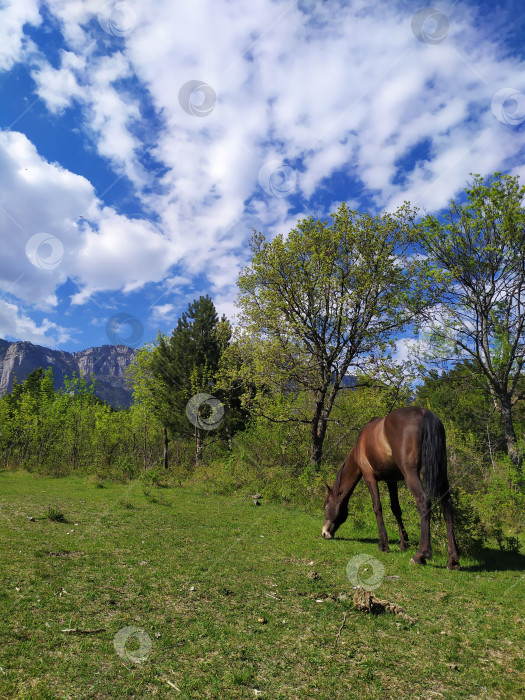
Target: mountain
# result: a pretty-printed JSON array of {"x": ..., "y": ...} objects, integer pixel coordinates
[{"x": 107, "y": 363}]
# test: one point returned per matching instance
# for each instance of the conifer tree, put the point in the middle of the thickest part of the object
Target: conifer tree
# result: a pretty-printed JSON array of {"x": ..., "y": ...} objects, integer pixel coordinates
[{"x": 184, "y": 366}]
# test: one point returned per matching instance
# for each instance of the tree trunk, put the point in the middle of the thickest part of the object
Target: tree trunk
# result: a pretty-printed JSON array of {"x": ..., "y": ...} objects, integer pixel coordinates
[
  {"x": 508, "y": 430},
  {"x": 198, "y": 446},
  {"x": 145, "y": 445},
  {"x": 166, "y": 444},
  {"x": 318, "y": 432}
]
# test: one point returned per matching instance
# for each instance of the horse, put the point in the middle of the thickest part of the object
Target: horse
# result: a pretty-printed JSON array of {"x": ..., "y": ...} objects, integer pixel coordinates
[{"x": 390, "y": 449}]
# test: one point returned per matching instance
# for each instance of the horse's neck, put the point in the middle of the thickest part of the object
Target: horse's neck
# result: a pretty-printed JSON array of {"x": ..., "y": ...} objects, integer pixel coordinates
[{"x": 350, "y": 475}]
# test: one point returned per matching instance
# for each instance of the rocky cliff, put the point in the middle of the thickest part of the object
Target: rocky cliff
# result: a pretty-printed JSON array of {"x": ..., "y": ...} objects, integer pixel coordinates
[{"x": 106, "y": 363}]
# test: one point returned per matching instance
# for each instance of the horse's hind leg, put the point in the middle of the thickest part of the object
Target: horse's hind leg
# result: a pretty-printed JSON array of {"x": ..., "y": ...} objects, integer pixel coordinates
[
  {"x": 445, "y": 503},
  {"x": 423, "y": 505},
  {"x": 374, "y": 492},
  {"x": 396, "y": 510}
]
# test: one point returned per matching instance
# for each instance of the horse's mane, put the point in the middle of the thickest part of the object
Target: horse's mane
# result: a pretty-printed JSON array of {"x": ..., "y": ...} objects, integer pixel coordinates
[{"x": 337, "y": 482}]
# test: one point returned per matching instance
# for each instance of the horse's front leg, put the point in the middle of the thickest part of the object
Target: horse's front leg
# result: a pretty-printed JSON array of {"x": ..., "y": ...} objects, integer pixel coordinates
[{"x": 383, "y": 537}]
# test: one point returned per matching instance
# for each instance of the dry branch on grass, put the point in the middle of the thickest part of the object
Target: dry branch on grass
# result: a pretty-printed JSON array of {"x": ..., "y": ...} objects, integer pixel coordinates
[
  {"x": 76, "y": 630},
  {"x": 366, "y": 602}
]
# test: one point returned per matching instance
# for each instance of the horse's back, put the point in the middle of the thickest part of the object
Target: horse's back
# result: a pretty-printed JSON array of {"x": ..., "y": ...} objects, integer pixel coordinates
[
  {"x": 404, "y": 429},
  {"x": 373, "y": 450},
  {"x": 393, "y": 443}
]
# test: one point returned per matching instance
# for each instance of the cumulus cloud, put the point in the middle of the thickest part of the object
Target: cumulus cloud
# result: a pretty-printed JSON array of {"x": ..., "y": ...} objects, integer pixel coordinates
[
  {"x": 326, "y": 89},
  {"x": 18, "y": 325},
  {"x": 332, "y": 88},
  {"x": 163, "y": 312},
  {"x": 15, "y": 45},
  {"x": 54, "y": 228}
]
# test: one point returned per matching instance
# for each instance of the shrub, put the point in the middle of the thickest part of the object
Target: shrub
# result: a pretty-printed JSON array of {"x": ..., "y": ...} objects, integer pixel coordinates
[{"x": 501, "y": 505}]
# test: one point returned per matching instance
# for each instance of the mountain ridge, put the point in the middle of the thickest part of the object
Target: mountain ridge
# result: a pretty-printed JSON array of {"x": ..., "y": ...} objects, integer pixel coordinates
[{"x": 107, "y": 363}]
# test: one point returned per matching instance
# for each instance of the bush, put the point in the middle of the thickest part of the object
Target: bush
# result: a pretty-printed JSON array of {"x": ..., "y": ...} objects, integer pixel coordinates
[
  {"x": 471, "y": 532},
  {"x": 501, "y": 505}
]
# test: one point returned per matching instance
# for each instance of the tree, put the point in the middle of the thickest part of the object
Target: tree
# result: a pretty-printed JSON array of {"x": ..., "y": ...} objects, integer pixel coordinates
[
  {"x": 184, "y": 365},
  {"x": 22, "y": 415},
  {"x": 459, "y": 397},
  {"x": 147, "y": 399},
  {"x": 477, "y": 254},
  {"x": 329, "y": 297}
]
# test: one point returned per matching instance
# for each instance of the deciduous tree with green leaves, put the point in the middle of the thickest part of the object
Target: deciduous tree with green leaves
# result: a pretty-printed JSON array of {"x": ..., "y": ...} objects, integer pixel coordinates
[
  {"x": 477, "y": 253},
  {"x": 325, "y": 300}
]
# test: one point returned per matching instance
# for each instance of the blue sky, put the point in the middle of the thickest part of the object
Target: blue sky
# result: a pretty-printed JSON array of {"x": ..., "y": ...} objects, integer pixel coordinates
[{"x": 140, "y": 142}]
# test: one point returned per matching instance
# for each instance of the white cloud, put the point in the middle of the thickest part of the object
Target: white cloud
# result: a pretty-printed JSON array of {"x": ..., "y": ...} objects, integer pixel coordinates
[
  {"x": 163, "y": 312},
  {"x": 97, "y": 247},
  {"x": 328, "y": 87},
  {"x": 14, "y": 43},
  {"x": 59, "y": 86},
  {"x": 17, "y": 325}
]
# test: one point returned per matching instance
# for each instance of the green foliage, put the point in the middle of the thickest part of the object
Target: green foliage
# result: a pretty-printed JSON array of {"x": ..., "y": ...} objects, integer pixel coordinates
[
  {"x": 55, "y": 515},
  {"x": 501, "y": 505},
  {"x": 272, "y": 456},
  {"x": 185, "y": 363},
  {"x": 169, "y": 374},
  {"x": 486, "y": 517},
  {"x": 459, "y": 396},
  {"x": 154, "y": 477},
  {"x": 477, "y": 256},
  {"x": 324, "y": 302},
  {"x": 327, "y": 299},
  {"x": 72, "y": 431},
  {"x": 471, "y": 530}
]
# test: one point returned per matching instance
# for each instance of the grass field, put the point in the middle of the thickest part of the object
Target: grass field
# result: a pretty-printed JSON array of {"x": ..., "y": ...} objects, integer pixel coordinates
[{"x": 181, "y": 594}]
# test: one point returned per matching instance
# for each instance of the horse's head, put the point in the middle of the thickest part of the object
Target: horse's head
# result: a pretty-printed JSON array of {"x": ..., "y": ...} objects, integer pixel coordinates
[{"x": 335, "y": 512}]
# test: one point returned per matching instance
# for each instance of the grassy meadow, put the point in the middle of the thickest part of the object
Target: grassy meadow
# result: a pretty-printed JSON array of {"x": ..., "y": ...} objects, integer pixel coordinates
[{"x": 131, "y": 591}]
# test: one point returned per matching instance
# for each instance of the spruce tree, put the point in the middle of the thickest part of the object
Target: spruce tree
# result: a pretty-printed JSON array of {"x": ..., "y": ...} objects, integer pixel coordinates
[{"x": 185, "y": 364}]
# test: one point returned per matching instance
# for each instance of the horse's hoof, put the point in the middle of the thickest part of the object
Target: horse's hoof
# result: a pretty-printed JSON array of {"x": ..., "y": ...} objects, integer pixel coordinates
[
  {"x": 418, "y": 561},
  {"x": 454, "y": 566},
  {"x": 403, "y": 546}
]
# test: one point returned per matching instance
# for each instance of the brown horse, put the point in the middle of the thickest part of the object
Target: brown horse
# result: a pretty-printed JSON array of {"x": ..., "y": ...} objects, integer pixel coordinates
[{"x": 390, "y": 449}]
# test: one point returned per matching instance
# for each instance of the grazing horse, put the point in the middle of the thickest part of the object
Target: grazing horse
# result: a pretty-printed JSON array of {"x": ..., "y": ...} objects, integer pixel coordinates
[{"x": 390, "y": 449}]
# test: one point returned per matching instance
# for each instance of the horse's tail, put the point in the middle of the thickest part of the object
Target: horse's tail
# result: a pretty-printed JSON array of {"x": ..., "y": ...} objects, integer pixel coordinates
[{"x": 433, "y": 453}]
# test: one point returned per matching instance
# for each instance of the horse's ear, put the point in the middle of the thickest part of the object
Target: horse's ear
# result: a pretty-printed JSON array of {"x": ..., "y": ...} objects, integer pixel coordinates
[{"x": 328, "y": 489}]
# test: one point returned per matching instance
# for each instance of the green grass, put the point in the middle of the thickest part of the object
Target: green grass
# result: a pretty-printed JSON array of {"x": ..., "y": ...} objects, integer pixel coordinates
[{"x": 220, "y": 596}]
